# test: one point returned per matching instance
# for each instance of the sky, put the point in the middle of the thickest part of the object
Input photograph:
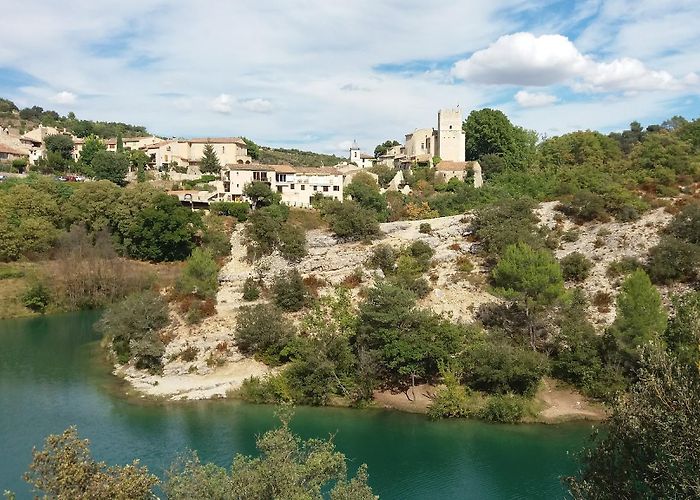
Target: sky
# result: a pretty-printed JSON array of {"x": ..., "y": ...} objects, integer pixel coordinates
[{"x": 318, "y": 74}]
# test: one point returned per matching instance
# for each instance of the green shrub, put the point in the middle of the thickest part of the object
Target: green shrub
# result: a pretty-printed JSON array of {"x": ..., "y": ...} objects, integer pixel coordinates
[
  {"x": 575, "y": 267},
  {"x": 425, "y": 228},
  {"x": 625, "y": 265},
  {"x": 464, "y": 264},
  {"x": 505, "y": 409},
  {"x": 199, "y": 277},
  {"x": 273, "y": 389},
  {"x": 686, "y": 224},
  {"x": 673, "y": 260},
  {"x": 289, "y": 291},
  {"x": 292, "y": 242},
  {"x": 132, "y": 328},
  {"x": 571, "y": 235},
  {"x": 451, "y": 401},
  {"x": 251, "y": 290},
  {"x": 585, "y": 206},
  {"x": 422, "y": 252},
  {"x": 383, "y": 257},
  {"x": 264, "y": 331},
  {"x": 37, "y": 297},
  {"x": 500, "y": 368},
  {"x": 237, "y": 209}
]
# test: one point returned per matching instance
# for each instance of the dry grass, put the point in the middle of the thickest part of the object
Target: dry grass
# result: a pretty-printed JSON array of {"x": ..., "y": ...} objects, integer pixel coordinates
[{"x": 306, "y": 219}]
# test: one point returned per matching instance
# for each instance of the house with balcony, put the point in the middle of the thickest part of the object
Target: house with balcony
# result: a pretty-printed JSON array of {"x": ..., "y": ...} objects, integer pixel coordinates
[{"x": 296, "y": 185}]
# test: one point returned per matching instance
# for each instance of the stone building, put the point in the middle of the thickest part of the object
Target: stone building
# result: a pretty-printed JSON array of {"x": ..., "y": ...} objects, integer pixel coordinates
[
  {"x": 362, "y": 160},
  {"x": 188, "y": 152},
  {"x": 296, "y": 185}
]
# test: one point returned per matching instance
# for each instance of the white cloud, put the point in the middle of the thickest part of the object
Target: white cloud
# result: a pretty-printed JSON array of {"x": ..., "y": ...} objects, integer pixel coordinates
[
  {"x": 63, "y": 97},
  {"x": 534, "y": 99},
  {"x": 523, "y": 59},
  {"x": 257, "y": 105},
  {"x": 527, "y": 59},
  {"x": 221, "y": 104}
]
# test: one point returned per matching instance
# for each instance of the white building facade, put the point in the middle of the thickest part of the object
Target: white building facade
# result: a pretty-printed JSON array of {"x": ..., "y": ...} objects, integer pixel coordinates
[{"x": 296, "y": 185}]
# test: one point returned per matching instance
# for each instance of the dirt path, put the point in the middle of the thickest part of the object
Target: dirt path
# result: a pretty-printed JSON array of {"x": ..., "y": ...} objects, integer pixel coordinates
[{"x": 565, "y": 404}]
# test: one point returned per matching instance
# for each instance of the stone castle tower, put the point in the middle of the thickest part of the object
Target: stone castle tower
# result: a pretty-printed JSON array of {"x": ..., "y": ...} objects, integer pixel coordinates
[{"x": 450, "y": 143}]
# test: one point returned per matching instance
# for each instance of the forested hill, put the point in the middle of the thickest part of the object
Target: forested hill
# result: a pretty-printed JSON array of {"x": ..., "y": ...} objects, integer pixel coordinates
[
  {"x": 28, "y": 118},
  {"x": 295, "y": 157}
]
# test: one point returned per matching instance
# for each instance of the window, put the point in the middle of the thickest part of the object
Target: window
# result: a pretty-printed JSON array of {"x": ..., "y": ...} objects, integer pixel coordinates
[
  {"x": 291, "y": 186},
  {"x": 336, "y": 188},
  {"x": 223, "y": 148},
  {"x": 281, "y": 177},
  {"x": 260, "y": 176},
  {"x": 303, "y": 187},
  {"x": 279, "y": 189},
  {"x": 450, "y": 127},
  {"x": 315, "y": 188},
  {"x": 325, "y": 189}
]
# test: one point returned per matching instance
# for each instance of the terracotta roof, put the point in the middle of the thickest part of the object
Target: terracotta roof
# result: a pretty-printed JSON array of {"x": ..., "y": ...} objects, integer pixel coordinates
[
  {"x": 454, "y": 166},
  {"x": 365, "y": 156},
  {"x": 282, "y": 169},
  {"x": 4, "y": 148},
  {"x": 215, "y": 140}
]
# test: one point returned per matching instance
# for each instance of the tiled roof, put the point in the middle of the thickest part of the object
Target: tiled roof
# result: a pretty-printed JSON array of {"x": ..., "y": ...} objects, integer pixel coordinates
[
  {"x": 215, "y": 140},
  {"x": 4, "y": 148},
  {"x": 282, "y": 169},
  {"x": 454, "y": 166}
]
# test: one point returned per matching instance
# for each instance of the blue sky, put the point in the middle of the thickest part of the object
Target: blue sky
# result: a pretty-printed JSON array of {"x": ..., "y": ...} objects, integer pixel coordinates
[{"x": 316, "y": 74}]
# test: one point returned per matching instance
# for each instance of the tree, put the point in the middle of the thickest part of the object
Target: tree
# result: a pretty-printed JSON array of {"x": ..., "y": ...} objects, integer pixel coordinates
[
  {"x": 350, "y": 220},
  {"x": 253, "y": 149},
  {"x": 382, "y": 148},
  {"x": 290, "y": 292},
  {"x": 682, "y": 336},
  {"x": 640, "y": 315},
  {"x": 200, "y": 275},
  {"x": 292, "y": 242},
  {"x": 651, "y": 446},
  {"x": 64, "y": 468},
  {"x": 530, "y": 277},
  {"x": 673, "y": 260},
  {"x": 61, "y": 144},
  {"x": 91, "y": 147},
  {"x": 120, "y": 143},
  {"x": 686, "y": 224},
  {"x": 92, "y": 204},
  {"x": 210, "y": 162},
  {"x": 260, "y": 194},
  {"x": 110, "y": 166},
  {"x": 364, "y": 190},
  {"x": 162, "y": 231},
  {"x": 262, "y": 330},
  {"x": 7, "y": 106},
  {"x": 132, "y": 328},
  {"x": 489, "y": 131},
  {"x": 286, "y": 467},
  {"x": 575, "y": 267}
]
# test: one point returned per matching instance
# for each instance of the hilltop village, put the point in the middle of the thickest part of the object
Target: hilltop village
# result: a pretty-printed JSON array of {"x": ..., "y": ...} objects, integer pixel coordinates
[{"x": 471, "y": 270}]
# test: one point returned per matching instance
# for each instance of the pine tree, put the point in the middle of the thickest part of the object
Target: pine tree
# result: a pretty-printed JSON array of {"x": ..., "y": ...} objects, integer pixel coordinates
[
  {"x": 641, "y": 317},
  {"x": 210, "y": 162}
]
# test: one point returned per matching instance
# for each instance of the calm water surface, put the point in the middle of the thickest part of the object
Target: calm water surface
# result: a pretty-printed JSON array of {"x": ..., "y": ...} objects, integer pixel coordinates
[{"x": 52, "y": 376}]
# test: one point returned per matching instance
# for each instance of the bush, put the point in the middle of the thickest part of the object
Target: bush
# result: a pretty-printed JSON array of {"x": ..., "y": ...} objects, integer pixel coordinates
[
  {"x": 350, "y": 220},
  {"x": 215, "y": 237},
  {"x": 464, "y": 264},
  {"x": 425, "y": 228},
  {"x": 251, "y": 290},
  {"x": 263, "y": 330},
  {"x": 37, "y": 297},
  {"x": 132, "y": 326},
  {"x": 236, "y": 209},
  {"x": 383, "y": 257},
  {"x": 290, "y": 292},
  {"x": 625, "y": 265},
  {"x": 273, "y": 389},
  {"x": 673, "y": 260},
  {"x": 686, "y": 224},
  {"x": 505, "y": 409},
  {"x": 422, "y": 252},
  {"x": 571, "y": 235},
  {"x": 292, "y": 243},
  {"x": 199, "y": 276},
  {"x": 575, "y": 267},
  {"x": 585, "y": 206},
  {"x": 501, "y": 368},
  {"x": 451, "y": 401}
]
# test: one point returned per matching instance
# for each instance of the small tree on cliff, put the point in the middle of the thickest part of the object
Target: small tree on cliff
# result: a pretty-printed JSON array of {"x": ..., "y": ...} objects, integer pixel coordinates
[{"x": 530, "y": 277}]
